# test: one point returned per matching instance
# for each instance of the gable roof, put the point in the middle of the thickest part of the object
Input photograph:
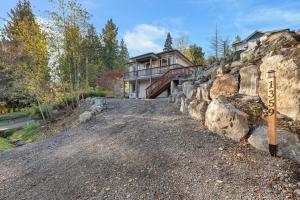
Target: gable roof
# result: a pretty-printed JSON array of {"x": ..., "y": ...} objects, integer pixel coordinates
[{"x": 261, "y": 32}]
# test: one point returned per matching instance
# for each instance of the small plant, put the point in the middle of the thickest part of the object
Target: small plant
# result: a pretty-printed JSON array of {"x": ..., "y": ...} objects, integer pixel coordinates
[{"x": 27, "y": 134}]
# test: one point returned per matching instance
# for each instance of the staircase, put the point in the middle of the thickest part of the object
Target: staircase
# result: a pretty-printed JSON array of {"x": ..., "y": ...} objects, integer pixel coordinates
[{"x": 164, "y": 82}]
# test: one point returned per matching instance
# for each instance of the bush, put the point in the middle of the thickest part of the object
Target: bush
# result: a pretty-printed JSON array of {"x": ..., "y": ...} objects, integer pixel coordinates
[{"x": 97, "y": 92}]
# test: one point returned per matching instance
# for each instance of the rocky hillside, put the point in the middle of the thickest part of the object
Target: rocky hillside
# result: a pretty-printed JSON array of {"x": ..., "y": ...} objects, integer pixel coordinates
[{"x": 231, "y": 98}]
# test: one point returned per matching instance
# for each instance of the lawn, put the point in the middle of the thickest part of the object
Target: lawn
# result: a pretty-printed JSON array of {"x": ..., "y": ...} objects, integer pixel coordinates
[{"x": 5, "y": 145}]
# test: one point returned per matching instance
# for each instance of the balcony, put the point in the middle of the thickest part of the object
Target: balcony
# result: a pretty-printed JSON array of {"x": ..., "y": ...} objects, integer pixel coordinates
[{"x": 151, "y": 72}]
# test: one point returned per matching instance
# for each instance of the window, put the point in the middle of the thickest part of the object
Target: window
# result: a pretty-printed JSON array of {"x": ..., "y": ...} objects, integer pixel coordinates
[
  {"x": 164, "y": 62},
  {"x": 170, "y": 61}
]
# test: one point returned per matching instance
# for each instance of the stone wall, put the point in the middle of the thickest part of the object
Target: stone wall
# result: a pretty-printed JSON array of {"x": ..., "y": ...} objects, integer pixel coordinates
[{"x": 230, "y": 98}]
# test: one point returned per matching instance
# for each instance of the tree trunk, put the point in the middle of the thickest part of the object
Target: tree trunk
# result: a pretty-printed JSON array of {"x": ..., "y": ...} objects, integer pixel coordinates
[{"x": 41, "y": 111}]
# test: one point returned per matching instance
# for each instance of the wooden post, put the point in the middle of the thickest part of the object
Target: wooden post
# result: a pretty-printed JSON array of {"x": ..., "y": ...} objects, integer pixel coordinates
[
  {"x": 272, "y": 131},
  {"x": 124, "y": 92}
]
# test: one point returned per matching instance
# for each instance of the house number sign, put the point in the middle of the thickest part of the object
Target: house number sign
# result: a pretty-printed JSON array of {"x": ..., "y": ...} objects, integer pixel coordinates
[{"x": 272, "y": 131}]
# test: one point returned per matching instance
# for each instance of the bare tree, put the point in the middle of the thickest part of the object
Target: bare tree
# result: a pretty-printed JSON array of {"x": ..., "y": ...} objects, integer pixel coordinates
[
  {"x": 182, "y": 43},
  {"x": 216, "y": 44}
]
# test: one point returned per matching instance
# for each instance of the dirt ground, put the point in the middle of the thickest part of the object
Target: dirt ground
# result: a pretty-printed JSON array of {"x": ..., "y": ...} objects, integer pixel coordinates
[{"x": 143, "y": 149}]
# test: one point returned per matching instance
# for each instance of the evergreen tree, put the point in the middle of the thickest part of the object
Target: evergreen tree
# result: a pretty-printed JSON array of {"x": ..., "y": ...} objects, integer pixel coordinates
[
  {"x": 168, "y": 43},
  {"x": 110, "y": 46},
  {"x": 237, "y": 39},
  {"x": 16, "y": 16},
  {"x": 123, "y": 56},
  {"x": 92, "y": 49}
]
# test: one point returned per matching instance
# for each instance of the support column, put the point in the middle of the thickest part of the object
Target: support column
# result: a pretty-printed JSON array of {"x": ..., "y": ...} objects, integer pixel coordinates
[
  {"x": 124, "y": 83},
  {"x": 150, "y": 70}
]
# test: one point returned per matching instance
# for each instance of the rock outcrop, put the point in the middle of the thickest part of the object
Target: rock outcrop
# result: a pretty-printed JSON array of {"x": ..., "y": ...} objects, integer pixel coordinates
[
  {"x": 223, "y": 118},
  {"x": 288, "y": 147},
  {"x": 249, "y": 80},
  {"x": 203, "y": 91},
  {"x": 189, "y": 89},
  {"x": 84, "y": 117},
  {"x": 197, "y": 109},
  {"x": 183, "y": 105},
  {"x": 288, "y": 84},
  {"x": 92, "y": 106},
  {"x": 226, "y": 85}
]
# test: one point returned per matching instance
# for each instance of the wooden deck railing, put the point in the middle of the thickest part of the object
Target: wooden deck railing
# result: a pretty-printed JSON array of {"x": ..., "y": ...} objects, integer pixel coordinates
[
  {"x": 162, "y": 82},
  {"x": 150, "y": 72}
]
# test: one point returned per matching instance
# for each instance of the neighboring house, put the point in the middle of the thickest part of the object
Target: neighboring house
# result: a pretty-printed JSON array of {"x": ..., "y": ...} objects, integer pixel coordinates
[
  {"x": 251, "y": 41},
  {"x": 147, "y": 68}
]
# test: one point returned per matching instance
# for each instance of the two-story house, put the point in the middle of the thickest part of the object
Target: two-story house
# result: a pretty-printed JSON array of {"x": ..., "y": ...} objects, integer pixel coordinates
[
  {"x": 251, "y": 41},
  {"x": 147, "y": 68}
]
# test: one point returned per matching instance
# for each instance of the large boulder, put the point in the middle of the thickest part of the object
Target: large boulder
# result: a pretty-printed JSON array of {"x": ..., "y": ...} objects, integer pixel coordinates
[
  {"x": 189, "y": 89},
  {"x": 203, "y": 91},
  {"x": 288, "y": 143},
  {"x": 249, "y": 80},
  {"x": 184, "y": 105},
  {"x": 226, "y": 85},
  {"x": 197, "y": 109},
  {"x": 223, "y": 118},
  {"x": 84, "y": 117},
  {"x": 96, "y": 108},
  {"x": 288, "y": 84},
  {"x": 178, "y": 97}
]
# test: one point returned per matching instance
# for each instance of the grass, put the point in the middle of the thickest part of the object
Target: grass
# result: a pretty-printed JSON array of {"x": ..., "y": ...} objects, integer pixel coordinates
[
  {"x": 27, "y": 134},
  {"x": 15, "y": 115},
  {"x": 5, "y": 145}
]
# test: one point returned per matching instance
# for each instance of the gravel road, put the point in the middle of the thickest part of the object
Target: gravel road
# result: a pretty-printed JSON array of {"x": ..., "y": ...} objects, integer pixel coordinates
[{"x": 143, "y": 149}]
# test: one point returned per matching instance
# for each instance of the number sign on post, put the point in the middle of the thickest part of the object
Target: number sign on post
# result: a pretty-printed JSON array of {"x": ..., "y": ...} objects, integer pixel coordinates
[{"x": 272, "y": 131}]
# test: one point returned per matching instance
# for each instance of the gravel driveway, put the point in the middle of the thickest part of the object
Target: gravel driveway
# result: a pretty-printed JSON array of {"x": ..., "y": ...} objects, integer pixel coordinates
[{"x": 143, "y": 149}]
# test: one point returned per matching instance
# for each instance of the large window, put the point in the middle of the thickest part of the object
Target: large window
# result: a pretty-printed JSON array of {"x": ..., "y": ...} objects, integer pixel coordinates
[
  {"x": 164, "y": 62},
  {"x": 167, "y": 61}
]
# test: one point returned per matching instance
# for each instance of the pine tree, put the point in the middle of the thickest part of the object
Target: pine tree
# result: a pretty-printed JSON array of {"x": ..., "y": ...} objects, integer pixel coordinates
[
  {"x": 91, "y": 47},
  {"x": 16, "y": 16},
  {"x": 237, "y": 39},
  {"x": 123, "y": 56},
  {"x": 168, "y": 43},
  {"x": 110, "y": 46}
]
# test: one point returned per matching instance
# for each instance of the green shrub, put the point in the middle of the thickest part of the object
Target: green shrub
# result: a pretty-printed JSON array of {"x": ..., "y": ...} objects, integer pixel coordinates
[{"x": 97, "y": 92}]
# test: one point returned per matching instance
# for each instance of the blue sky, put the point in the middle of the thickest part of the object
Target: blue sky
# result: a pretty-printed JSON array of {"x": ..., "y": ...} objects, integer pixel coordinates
[{"x": 145, "y": 23}]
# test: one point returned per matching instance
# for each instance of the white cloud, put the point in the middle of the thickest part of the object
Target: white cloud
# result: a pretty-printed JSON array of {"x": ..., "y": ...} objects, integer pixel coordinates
[
  {"x": 145, "y": 38},
  {"x": 271, "y": 15}
]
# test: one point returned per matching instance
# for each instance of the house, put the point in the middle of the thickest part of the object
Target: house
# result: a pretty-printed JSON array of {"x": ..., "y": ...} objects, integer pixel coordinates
[
  {"x": 147, "y": 69},
  {"x": 251, "y": 41}
]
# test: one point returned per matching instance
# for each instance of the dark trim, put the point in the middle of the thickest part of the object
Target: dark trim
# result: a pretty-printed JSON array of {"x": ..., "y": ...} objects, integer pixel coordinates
[{"x": 158, "y": 55}]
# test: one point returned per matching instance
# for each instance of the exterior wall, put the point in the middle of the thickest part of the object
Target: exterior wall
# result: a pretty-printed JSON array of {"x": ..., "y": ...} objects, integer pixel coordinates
[
  {"x": 181, "y": 61},
  {"x": 241, "y": 47},
  {"x": 142, "y": 85}
]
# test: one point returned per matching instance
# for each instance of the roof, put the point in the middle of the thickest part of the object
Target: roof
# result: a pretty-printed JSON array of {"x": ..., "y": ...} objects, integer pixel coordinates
[
  {"x": 158, "y": 55},
  {"x": 261, "y": 32}
]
